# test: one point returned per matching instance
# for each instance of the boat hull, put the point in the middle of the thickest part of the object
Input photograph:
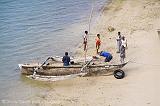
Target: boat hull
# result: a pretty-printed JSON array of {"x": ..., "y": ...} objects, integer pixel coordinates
[{"x": 50, "y": 70}]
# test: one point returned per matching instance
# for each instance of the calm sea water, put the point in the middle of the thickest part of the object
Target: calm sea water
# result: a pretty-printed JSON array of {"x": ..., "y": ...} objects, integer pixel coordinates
[{"x": 32, "y": 30}]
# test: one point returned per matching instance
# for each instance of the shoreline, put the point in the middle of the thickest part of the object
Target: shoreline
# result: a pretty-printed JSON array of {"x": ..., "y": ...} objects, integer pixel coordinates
[
  {"x": 109, "y": 7},
  {"x": 137, "y": 20}
]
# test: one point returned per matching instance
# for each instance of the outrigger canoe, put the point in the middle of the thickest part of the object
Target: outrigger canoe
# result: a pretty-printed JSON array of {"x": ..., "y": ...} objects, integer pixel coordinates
[{"x": 56, "y": 68}]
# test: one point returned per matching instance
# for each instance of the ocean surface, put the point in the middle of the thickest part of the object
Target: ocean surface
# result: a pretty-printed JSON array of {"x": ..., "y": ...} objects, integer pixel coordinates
[{"x": 32, "y": 30}]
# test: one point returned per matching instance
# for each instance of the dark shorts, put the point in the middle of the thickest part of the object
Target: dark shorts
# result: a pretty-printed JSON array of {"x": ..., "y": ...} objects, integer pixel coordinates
[
  {"x": 108, "y": 59},
  {"x": 85, "y": 42}
]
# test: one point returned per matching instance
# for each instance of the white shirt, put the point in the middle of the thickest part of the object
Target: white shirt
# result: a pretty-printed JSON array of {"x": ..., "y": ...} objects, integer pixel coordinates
[
  {"x": 124, "y": 42},
  {"x": 118, "y": 38}
]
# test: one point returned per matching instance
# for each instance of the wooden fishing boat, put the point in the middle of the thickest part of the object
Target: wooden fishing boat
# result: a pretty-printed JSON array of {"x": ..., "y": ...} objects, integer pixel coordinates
[{"x": 56, "y": 68}]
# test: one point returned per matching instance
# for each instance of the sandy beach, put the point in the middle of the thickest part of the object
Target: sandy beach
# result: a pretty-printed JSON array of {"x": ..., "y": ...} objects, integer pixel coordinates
[{"x": 138, "y": 21}]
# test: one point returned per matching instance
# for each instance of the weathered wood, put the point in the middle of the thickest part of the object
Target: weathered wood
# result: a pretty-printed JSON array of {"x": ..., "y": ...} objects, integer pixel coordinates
[{"x": 53, "y": 70}]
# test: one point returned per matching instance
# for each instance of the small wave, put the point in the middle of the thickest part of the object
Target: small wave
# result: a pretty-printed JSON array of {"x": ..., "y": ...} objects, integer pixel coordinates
[{"x": 6, "y": 1}]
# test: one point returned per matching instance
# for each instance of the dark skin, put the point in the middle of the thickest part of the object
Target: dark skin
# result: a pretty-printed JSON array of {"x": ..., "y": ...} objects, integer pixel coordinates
[
  {"x": 85, "y": 42},
  {"x": 98, "y": 46}
]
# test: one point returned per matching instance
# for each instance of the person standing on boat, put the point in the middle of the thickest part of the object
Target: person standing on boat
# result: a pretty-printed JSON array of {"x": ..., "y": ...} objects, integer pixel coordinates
[
  {"x": 66, "y": 59},
  {"x": 107, "y": 55},
  {"x": 119, "y": 42},
  {"x": 85, "y": 40},
  {"x": 98, "y": 42}
]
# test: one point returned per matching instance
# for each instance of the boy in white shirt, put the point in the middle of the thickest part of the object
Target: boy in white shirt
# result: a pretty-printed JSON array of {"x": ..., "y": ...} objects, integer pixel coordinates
[{"x": 124, "y": 42}]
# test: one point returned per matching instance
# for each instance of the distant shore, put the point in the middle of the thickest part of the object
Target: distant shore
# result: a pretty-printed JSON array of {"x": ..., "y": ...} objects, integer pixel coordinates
[{"x": 138, "y": 21}]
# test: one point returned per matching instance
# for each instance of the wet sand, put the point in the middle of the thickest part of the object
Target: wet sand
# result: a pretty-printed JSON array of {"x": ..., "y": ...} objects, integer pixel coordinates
[{"x": 138, "y": 21}]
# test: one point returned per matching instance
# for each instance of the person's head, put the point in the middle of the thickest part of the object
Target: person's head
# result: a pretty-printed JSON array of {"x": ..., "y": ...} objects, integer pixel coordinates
[
  {"x": 66, "y": 53},
  {"x": 99, "y": 53},
  {"x": 98, "y": 35},
  {"x": 122, "y": 47},
  {"x": 119, "y": 33},
  {"x": 123, "y": 38},
  {"x": 86, "y": 32}
]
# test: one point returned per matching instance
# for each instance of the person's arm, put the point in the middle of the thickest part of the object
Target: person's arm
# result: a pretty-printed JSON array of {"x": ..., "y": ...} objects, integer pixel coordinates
[
  {"x": 126, "y": 44},
  {"x": 101, "y": 54},
  {"x": 84, "y": 39},
  {"x": 69, "y": 59},
  {"x": 63, "y": 59}
]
